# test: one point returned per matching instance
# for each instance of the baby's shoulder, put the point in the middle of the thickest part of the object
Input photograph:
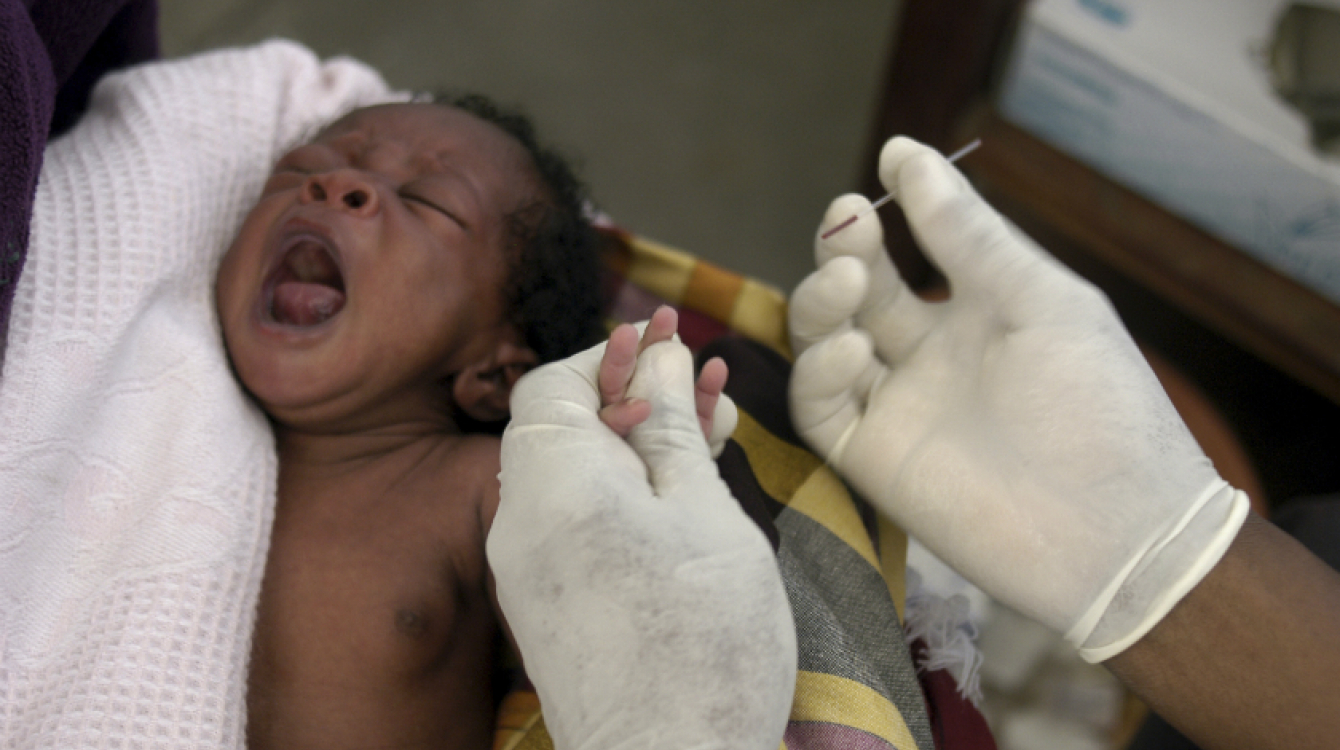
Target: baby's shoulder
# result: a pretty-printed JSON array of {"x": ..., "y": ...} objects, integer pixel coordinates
[
  {"x": 478, "y": 458},
  {"x": 463, "y": 467},
  {"x": 482, "y": 452},
  {"x": 457, "y": 489}
]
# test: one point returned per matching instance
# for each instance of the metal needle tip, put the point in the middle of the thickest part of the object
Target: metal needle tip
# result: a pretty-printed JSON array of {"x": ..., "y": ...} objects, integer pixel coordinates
[{"x": 968, "y": 149}]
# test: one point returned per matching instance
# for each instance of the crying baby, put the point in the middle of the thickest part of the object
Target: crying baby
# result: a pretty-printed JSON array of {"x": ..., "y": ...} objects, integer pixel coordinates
[{"x": 397, "y": 276}]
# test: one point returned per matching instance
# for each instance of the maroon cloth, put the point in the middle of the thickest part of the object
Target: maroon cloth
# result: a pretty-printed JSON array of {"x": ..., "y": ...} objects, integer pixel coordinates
[
  {"x": 51, "y": 54},
  {"x": 955, "y": 722}
]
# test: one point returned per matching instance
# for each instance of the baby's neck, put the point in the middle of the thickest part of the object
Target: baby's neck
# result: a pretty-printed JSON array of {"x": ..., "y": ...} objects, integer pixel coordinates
[{"x": 321, "y": 456}]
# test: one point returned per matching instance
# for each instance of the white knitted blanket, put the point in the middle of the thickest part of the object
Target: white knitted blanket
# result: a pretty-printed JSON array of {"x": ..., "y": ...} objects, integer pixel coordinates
[{"x": 136, "y": 481}]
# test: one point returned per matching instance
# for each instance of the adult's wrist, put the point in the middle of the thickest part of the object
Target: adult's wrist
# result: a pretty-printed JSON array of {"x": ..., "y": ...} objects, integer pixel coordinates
[{"x": 1162, "y": 573}]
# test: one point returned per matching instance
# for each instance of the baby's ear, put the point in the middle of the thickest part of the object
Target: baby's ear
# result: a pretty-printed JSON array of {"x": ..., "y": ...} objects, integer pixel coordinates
[{"x": 482, "y": 388}]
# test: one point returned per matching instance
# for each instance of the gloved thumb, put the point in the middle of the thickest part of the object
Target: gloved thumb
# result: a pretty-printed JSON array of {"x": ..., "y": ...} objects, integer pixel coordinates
[{"x": 671, "y": 440}]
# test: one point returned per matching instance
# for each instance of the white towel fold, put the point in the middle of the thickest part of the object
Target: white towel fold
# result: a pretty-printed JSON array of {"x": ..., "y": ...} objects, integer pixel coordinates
[{"x": 136, "y": 481}]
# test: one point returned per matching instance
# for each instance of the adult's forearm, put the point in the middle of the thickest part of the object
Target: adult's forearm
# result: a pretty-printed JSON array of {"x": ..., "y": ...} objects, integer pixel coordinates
[{"x": 1251, "y": 657}]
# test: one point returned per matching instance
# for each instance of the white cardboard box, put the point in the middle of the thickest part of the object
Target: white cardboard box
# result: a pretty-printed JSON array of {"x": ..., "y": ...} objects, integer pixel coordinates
[{"x": 1174, "y": 99}]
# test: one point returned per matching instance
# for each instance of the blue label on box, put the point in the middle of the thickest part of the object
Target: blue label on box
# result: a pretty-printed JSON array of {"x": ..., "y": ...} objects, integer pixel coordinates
[
  {"x": 1106, "y": 10},
  {"x": 1177, "y": 155}
]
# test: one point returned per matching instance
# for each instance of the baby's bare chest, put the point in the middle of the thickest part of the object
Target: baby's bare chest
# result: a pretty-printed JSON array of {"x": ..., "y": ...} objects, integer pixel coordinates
[
  {"x": 382, "y": 592},
  {"x": 375, "y": 627}
]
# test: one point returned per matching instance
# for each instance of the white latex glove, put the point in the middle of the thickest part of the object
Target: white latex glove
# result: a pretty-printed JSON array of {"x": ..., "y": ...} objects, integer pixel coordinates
[
  {"x": 1014, "y": 429},
  {"x": 649, "y": 610}
]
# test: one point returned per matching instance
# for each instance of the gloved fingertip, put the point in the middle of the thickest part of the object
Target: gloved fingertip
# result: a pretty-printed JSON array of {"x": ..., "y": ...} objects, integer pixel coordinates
[
  {"x": 832, "y": 365},
  {"x": 836, "y": 281},
  {"x": 852, "y": 345},
  {"x": 859, "y": 231},
  {"x": 906, "y": 165},
  {"x": 892, "y": 156},
  {"x": 841, "y": 208},
  {"x": 725, "y": 418},
  {"x": 845, "y": 274},
  {"x": 824, "y": 302}
]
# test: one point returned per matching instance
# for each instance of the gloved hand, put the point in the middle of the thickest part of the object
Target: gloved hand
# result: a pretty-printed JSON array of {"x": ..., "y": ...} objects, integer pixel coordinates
[
  {"x": 1014, "y": 429},
  {"x": 649, "y": 610}
]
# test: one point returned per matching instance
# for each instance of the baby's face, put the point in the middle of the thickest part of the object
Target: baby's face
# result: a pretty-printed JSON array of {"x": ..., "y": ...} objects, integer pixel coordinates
[{"x": 372, "y": 265}]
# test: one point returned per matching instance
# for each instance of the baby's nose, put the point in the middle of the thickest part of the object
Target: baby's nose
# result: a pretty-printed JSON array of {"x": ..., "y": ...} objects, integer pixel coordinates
[{"x": 344, "y": 189}]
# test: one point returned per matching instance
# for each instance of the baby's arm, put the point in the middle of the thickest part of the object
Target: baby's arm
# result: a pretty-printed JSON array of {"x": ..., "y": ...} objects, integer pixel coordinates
[{"x": 620, "y": 413}]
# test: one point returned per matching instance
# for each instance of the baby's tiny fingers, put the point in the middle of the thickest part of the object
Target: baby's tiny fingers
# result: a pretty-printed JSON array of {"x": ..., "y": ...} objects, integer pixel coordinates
[
  {"x": 617, "y": 364},
  {"x": 662, "y": 327},
  {"x": 711, "y": 381},
  {"x": 624, "y": 415}
]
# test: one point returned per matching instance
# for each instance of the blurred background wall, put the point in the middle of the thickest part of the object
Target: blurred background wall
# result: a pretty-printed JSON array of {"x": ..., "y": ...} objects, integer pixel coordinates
[{"x": 721, "y": 127}]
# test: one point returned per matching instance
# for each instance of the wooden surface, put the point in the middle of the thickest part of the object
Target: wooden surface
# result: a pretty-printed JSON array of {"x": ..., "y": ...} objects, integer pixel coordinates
[
  {"x": 947, "y": 57},
  {"x": 1281, "y": 321}
]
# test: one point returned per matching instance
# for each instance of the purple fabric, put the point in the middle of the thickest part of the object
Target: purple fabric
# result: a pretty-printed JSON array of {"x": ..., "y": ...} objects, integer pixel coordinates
[
  {"x": 51, "y": 54},
  {"x": 818, "y": 735}
]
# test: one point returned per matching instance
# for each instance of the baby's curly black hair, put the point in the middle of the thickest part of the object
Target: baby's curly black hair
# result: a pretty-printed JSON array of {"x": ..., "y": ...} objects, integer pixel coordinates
[{"x": 553, "y": 288}]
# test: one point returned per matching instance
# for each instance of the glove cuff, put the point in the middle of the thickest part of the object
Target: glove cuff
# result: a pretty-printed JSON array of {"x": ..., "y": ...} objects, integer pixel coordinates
[{"x": 1157, "y": 578}]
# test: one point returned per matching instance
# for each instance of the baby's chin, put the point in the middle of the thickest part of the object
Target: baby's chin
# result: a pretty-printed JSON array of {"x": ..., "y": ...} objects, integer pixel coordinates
[
  {"x": 290, "y": 413},
  {"x": 344, "y": 403},
  {"x": 287, "y": 382}
]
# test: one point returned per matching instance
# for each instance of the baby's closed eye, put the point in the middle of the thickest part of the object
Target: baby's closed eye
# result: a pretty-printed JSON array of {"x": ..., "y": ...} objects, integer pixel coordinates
[{"x": 419, "y": 199}]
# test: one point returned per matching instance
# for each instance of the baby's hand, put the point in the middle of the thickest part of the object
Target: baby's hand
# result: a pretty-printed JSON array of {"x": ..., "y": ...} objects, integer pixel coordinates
[{"x": 620, "y": 413}]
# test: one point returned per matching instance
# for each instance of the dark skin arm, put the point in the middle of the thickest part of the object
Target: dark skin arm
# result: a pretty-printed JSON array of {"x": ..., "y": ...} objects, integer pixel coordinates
[{"x": 1251, "y": 657}]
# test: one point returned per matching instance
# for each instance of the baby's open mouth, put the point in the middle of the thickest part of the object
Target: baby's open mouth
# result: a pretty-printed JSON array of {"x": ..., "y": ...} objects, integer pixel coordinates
[{"x": 308, "y": 288}]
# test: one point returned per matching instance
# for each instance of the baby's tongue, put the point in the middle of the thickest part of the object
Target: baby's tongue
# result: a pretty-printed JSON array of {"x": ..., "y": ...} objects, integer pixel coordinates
[{"x": 302, "y": 303}]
